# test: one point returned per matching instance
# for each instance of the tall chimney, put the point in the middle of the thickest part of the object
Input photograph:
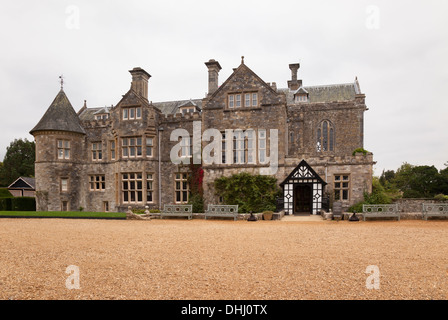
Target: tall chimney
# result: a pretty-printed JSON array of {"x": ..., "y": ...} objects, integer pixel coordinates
[
  {"x": 213, "y": 70},
  {"x": 294, "y": 84},
  {"x": 140, "y": 81}
]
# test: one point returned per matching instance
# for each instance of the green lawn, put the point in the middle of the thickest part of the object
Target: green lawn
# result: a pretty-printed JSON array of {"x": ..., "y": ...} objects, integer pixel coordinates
[{"x": 63, "y": 214}]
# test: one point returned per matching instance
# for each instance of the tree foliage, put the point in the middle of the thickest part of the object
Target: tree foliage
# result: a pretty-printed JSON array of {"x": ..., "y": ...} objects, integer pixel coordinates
[
  {"x": 416, "y": 181},
  {"x": 18, "y": 161},
  {"x": 252, "y": 193}
]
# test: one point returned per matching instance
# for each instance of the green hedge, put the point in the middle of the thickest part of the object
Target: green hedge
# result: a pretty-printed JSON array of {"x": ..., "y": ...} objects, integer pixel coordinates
[
  {"x": 5, "y": 204},
  {"x": 18, "y": 204},
  {"x": 23, "y": 204}
]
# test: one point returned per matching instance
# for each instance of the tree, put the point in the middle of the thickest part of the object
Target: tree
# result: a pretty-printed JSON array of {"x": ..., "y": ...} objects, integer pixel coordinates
[
  {"x": 18, "y": 161},
  {"x": 418, "y": 181},
  {"x": 254, "y": 193}
]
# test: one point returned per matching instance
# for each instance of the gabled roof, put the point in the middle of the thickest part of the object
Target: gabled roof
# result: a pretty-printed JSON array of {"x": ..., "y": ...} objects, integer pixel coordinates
[
  {"x": 303, "y": 172},
  {"x": 23, "y": 183},
  {"x": 60, "y": 116},
  {"x": 301, "y": 90},
  {"x": 235, "y": 73}
]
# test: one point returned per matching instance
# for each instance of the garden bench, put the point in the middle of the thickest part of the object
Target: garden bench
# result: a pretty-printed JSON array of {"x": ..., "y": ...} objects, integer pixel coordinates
[
  {"x": 230, "y": 211},
  {"x": 380, "y": 211},
  {"x": 177, "y": 210},
  {"x": 434, "y": 210}
]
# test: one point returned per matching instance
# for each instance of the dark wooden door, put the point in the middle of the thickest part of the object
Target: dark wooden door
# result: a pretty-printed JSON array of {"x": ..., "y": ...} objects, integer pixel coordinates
[{"x": 302, "y": 199}]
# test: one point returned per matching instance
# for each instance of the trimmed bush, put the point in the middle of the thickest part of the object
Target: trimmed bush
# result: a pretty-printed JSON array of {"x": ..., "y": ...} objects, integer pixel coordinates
[
  {"x": 5, "y": 204},
  {"x": 23, "y": 204}
]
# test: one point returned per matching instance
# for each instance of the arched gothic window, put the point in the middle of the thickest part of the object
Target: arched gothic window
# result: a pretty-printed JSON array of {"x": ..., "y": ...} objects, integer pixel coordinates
[{"x": 325, "y": 137}]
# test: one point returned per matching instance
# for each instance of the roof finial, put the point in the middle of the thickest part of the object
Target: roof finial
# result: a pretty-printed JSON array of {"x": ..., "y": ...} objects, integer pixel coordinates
[
  {"x": 61, "y": 81},
  {"x": 242, "y": 59}
]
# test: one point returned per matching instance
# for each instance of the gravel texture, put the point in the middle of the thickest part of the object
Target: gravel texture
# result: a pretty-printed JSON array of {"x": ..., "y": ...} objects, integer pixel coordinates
[{"x": 219, "y": 259}]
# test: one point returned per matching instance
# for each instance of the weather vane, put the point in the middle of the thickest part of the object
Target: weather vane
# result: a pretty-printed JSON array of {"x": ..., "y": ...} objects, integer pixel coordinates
[{"x": 61, "y": 77}]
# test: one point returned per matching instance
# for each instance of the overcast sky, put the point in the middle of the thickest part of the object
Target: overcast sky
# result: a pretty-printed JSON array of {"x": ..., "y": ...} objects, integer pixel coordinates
[{"x": 397, "y": 49}]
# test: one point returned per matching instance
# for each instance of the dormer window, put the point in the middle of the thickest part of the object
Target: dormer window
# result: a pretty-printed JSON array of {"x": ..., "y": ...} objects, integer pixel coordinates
[
  {"x": 301, "y": 95},
  {"x": 104, "y": 116},
  {"x": 187, "y": 110},
  {"x": 301, "y": 98},
  {"x": 132, "y": 113}
]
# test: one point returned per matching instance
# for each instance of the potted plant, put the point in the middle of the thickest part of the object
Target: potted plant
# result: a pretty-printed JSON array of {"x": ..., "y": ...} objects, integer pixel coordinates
[{"x": 267, "y": 215}]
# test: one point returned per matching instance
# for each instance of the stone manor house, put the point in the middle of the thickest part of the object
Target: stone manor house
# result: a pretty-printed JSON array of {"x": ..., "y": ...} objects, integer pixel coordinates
[{"x": 109, "y": 158}]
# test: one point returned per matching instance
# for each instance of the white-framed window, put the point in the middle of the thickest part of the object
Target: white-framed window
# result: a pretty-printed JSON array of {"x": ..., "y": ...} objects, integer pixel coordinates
[
  {"x": 238, "y": 100},
  {"x": 112, "y": 150},
  {"x": 181, "y": 188},
  {"x": 341, "y": 187},
  {"x": 262, "y": 146},
  {"x": 132, "y": 113},
  {"x": 187, "y": 110},
  {"x": 131, "y": 147},
  {"x": 149, "y": 146},
  {"x": 186, "y": 145},
  {"x": 63, "y": 149},
  {"x": 104, "y": 116},
  {"x": 254, "y": 99},
  {"x": 132, "y": 187},
  {"x": 97, "y": 151},
  {"x": 64, "y": 184},
  {"x": 249, "y": 99},
  {"x": 231, "y": 101},
  {"x": 149, "y": 188},
  {"x": 97, "y": 182},
  {"x": 301, "y": 98}
]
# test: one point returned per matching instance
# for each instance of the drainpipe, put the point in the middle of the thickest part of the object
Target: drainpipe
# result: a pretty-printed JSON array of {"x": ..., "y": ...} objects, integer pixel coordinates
[{"x": 160, "y": 130}]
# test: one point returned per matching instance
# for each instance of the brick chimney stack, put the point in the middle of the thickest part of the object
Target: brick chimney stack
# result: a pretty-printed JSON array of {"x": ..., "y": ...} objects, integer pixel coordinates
[
  {"x": 140, "y": 81},
  {"x": 213, "y": 69},
  {"x": 294, "y": 84}
]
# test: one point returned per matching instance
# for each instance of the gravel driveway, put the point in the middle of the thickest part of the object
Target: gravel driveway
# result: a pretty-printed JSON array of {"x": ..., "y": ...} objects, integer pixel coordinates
[{"x": 220, "y": 259}]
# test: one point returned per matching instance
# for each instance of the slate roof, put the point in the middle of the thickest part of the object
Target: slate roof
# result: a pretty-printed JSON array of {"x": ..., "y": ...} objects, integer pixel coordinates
[
  {"x": 60, "y": 116},
  {"x": 172, "y": 107},
  {"x": 326, "y": 93},
  {"x": 89, "y": 113}
]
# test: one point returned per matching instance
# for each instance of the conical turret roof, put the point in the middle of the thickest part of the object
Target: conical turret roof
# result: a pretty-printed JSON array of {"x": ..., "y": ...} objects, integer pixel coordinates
[{"x": 60, "y": 116}]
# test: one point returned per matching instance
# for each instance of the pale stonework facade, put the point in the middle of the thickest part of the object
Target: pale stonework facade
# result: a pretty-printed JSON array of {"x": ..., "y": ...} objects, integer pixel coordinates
[{"x": 109, "y": 158}]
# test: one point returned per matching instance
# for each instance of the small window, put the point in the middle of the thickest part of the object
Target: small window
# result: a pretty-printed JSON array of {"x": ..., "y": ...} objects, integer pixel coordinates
[
  {"x": 132, "y": 113},
  {"x": 64, "y": 206},
  {"x": 247, "y": 100},
  {"x": 231, "y": 101},
  {"x": 181, "y": 188},
  {"x": 254, "y": 99},
  {"x": 341, "y": 187},
  {"x": 112, "y": 150},
  {"x": 237, "y": 100},
  {"x": 63, "y": 149},
  {"x": 149, "y": 188},
  {"x": 97, "y": 183},
  {"x": 149, "y": 146},
  {"x": 97, "y": 151},
  {"x": 64, "y": 184}
]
